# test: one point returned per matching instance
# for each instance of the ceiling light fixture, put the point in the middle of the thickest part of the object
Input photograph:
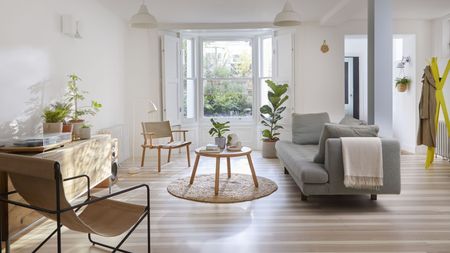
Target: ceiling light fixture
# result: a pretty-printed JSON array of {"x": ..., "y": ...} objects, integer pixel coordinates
[
  {"x": 143, "y": 19},
  {"x": 287, "y": 17}
]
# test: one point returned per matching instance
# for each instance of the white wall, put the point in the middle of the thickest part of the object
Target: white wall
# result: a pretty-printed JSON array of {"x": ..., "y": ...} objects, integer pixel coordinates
[
  {"x": 142, "y": 82},
  {"x": 35, "y": 59},
  {"x": 405, "y": 105},
  {"x": 319, "y": 77}
]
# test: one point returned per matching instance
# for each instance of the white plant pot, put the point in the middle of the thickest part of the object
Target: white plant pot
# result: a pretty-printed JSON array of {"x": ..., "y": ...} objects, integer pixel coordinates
[
  {"x": 52, "y": 128},
  {"x": 221, "y": 142},
  {"x": 268, "y": 149},
  {"x": 76, "y": 129},
  {"x": 85, "y": 133}
]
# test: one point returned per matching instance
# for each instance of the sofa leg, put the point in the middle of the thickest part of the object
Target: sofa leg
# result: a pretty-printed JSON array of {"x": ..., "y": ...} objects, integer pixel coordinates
[
  {"x": 286, "y": 172},
  {"x": 303, "y": 196},
  {"x": 373, "y": 197}
]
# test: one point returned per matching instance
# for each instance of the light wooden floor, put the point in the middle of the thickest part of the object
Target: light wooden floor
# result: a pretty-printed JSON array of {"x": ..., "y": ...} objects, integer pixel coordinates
[{"x": 418, "y": 220}]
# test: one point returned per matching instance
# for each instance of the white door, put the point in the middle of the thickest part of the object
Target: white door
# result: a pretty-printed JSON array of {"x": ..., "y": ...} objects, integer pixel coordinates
[{"x": 171, "y": 78}]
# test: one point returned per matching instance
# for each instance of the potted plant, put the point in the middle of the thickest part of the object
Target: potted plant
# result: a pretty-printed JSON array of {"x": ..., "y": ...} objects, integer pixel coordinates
[
  {"x": 402, "y": 83},
  {"x": 85, "y": 132},
  {"x": 271, "y": 114},
  {"x": 219, "y": 129},
  {"x": 74, "y": 96},
  {"x": 54, "y": 116}
]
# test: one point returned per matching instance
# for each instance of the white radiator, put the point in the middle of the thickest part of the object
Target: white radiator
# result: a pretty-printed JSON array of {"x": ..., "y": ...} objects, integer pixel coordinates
[{"x": 442, "y": 148}]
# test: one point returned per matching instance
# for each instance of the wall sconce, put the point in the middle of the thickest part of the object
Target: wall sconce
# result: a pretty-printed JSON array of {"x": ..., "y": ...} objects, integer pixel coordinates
[
  {"x": 402, "y": 63},
  {"x": 68, "y": 28}
]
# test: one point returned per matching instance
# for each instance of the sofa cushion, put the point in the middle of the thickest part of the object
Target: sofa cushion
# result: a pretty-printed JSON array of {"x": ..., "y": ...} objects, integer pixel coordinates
[
  {"x": 306, "y": 128},
  {"x": 349, "y": 120},
  {"x": 298, "y": 159},
  {"x": 337, "y": 131}
]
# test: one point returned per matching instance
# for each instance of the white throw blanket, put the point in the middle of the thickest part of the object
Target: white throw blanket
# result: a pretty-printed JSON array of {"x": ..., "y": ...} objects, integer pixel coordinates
[{"x": 363, "y": 162}]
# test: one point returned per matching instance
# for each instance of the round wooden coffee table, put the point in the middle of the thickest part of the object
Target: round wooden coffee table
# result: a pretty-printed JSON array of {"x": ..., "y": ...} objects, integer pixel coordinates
[{"x": 245, "y": 151}]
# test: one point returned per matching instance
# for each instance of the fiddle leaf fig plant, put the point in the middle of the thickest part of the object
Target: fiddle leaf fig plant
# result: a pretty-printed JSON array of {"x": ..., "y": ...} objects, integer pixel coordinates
[
  {"x": 74, "y": 96},
  {"x": 271, "y": 114}
]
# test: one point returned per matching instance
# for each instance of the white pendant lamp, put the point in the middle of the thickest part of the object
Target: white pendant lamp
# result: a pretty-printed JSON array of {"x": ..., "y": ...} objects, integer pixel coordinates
[
  {"x": 143, "y": 19},
  {"x": 287, "y": 17}
]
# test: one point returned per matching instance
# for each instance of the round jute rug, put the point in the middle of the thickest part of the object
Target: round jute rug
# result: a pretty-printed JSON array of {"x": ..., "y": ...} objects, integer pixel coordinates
[{"x": 238, "y": 188}]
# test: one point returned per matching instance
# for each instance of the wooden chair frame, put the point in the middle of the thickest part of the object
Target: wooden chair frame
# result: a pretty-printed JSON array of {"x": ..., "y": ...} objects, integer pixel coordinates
[{"x": 148, "y": 143}]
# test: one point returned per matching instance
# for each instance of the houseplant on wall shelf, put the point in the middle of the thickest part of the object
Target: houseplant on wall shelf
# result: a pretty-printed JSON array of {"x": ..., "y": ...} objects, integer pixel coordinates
[
  {"x": 74, "y": 96},
  {"x": 54, "y": 116},
  {"x": 402, "y": 83},
  {"x": 271, "y": 114},
  {"x": 219, "y": 130}
]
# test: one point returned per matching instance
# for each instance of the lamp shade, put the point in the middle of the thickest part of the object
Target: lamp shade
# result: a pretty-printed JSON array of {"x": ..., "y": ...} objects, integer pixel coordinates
[
  {"x": 287, "y": 17},
  {"x": 143, "y": 19}
]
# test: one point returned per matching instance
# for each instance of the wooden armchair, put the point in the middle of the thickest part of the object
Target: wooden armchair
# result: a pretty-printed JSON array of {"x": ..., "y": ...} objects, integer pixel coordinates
[{"x": 157, "y": 130}]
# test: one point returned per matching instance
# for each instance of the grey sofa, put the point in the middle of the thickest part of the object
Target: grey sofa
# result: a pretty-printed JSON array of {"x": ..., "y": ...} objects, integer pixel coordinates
[{"x": 328, "y": 178}]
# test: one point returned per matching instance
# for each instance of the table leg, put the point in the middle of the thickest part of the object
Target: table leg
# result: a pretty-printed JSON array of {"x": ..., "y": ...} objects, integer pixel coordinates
[
  {"x": 194, "y": 170},
  {"x": 216, "y": 184},
  {"x": 252, "y": 169},
  {"x": 229, "y": 166}
]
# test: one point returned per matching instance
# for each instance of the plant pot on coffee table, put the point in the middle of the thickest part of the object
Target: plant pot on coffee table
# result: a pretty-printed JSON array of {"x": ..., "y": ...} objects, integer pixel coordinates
[{"x": 245, "y": 151}]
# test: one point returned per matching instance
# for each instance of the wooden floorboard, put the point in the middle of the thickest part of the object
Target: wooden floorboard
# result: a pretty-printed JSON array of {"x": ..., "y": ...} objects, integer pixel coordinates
[{"x": 418, "y": 220}]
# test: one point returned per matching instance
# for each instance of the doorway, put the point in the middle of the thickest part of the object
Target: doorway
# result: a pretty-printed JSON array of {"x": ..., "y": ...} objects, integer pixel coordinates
[{"x": 352, "y": 86}]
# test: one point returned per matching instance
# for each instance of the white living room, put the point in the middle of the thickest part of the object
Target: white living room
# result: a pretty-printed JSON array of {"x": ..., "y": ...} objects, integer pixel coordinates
[{"x": 209, "y": 125}]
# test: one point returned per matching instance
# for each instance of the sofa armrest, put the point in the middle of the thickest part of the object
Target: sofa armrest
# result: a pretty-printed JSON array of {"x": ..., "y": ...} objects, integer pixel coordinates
[{"x": 391, "y": 164}]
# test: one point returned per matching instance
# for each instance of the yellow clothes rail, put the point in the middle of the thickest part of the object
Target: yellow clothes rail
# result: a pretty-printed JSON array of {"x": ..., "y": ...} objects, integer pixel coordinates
[{"x": 440, "y": 102}]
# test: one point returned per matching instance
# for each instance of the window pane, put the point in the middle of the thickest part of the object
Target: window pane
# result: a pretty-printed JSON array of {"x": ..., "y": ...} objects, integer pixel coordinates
[
  {"x": 189, "y": 99},
  {"x": 188, "y": 63},
  {"x": 229, "y": 98},
  {"x": 225, "y": 59},
  {"x": 266, "y": 57}
]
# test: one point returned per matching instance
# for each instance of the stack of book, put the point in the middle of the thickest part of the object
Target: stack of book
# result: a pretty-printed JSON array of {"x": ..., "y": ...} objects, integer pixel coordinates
[{"x": 210, "y": 148}]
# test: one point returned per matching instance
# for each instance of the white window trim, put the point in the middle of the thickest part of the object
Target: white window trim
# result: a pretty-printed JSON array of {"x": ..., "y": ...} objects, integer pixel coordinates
[{"x": 256, "y": 38}]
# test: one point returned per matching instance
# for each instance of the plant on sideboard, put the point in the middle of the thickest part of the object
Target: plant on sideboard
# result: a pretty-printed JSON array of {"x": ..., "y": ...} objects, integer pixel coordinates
[
  {"x": 271, "y": 114},
  {"x": 219, "y": 129},
  {"x": 75, "y": 96},
  {"x": 54, "y": 116}
]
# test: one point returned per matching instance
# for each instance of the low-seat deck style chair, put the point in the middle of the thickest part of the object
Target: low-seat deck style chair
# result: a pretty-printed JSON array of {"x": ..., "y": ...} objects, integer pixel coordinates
[
  {"x": 39, "y": 182},
  {"x": 157, "y": 130}
]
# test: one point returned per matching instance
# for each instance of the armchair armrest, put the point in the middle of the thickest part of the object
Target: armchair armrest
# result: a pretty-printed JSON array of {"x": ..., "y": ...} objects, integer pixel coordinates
[
  {"x": 334, "y": 164},
  {"x": 148, "y": 134},
  {"x": 180, "y": 131}
]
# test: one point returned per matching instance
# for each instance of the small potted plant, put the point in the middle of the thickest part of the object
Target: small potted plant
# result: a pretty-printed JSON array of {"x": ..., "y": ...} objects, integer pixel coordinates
[
  {"x": 271, "y": 114},
  {"x": 73, "y": 97},
  {"x": 85, "y": 132},
  {"x": 54, "y": 116},
  {"x": 219, "y": 130},
  {"x": 402, "y": 83}
]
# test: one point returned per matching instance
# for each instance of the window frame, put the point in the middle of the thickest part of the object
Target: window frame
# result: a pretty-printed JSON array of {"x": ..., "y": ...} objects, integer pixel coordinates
[
  {"x": 194, "y": 78},
  {"x": 201, "y": 79},
  {"x": 198, "y": 39}
]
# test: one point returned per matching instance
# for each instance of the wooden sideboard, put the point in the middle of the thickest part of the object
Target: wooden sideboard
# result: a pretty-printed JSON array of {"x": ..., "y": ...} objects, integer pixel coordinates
[{"x": 90, "y": 157}]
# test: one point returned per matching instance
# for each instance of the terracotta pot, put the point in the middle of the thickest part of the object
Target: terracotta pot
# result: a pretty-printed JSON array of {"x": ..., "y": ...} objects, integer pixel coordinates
[
  {"x": 85, "y": 133},
  {"x": 67, "y": 128},
  {"x": 268, "y": 149},
  {"x": 402, "y": 87},
  {"x": 76, "y": 126},
  {"x": 52, "y": 128}
]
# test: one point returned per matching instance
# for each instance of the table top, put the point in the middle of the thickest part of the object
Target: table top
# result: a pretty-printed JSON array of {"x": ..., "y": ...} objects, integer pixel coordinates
[{"x": 224, "y": 153}]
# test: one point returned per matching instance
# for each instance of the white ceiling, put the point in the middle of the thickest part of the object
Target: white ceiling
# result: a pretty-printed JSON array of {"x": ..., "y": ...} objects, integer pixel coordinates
[{"x": 263, "y": 11}]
